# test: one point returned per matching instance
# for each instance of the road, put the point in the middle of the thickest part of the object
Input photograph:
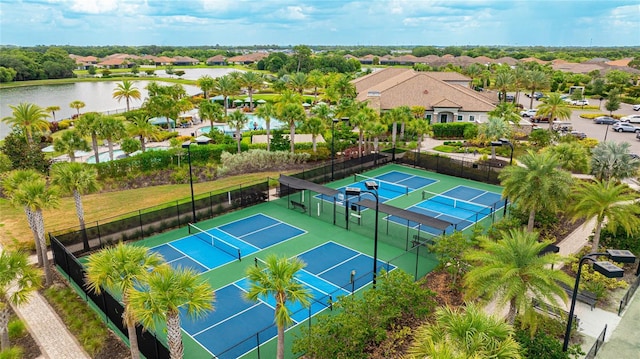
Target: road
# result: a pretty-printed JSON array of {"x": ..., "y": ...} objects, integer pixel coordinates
[{"x": 596, "y": 131}]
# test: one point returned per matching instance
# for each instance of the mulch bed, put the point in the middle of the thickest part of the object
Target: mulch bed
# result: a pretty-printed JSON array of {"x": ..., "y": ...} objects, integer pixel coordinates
[{"x": 30, "y": 348}]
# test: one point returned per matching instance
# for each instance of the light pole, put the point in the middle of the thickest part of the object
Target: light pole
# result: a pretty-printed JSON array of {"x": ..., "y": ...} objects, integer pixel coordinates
[
  {"x": 606, "y": 133},
  {"x": 607, "y": 269},
  {"x": 372, "y": 188},
  {"x": 501, "y": 142},
  {"x": 187, "y": 145}
]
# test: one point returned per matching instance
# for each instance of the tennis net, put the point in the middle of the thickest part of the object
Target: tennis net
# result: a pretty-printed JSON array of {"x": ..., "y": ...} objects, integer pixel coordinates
[
  {"x": 382, "y": 184},
  {"x": 216, "y": 242},
  {"x": 457, "y": 203}
]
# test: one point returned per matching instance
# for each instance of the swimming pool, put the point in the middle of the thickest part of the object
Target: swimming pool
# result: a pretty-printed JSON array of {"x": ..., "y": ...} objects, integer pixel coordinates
[
  {"x": 253, "y": 124},
  {"x": 118, "y": 154}
]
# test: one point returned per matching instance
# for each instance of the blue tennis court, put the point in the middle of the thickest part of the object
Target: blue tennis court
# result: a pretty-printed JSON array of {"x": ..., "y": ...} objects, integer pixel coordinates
[
  {"x": 245, "y": 236},
  {"x": 463, "y": 206},
  {"x": 328, "y": 275}
]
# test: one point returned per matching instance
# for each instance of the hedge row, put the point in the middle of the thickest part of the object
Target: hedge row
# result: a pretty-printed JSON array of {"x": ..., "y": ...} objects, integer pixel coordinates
[{"x": 451, "y": 130}]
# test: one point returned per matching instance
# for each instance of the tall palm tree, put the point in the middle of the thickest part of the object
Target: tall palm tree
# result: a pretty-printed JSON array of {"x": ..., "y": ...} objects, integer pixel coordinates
[
  {"x": 10, "y": 185},
  {"x": 536, "y": 184},
  {"x": 554, "y": 107},
  {"x": 298, "y": 82},
  {"x": 211, "y": 111},
  {"x": 343, "y": 86},
  {"x": 126, "y": 90},
  {"x": 464, "y": 333},
  {"x": 278, "y": 280},
  {"x": 505, "y": 111},
  {"x": 112, "y": 130},
  {"x": 572, "y": 156},
  {"x": 473, "y": 71},
  {"x": 53, "y": 110},
  {"x": 316, "y": 81},
  {"x": 315, "y": 127},
  {"x": 37, "y": 196},
  {"x": 206, "y": 84},
  {"x": 77, "y": 104},
  {"x": 237, "y": 120},
  {"x": 511, "y": 271},
  {"x": 494, "y": 129},
  {"x": 90, "y": 124},
  {"x": 266, "y": 112},
  {"x": 292, "y": 114},
  {"x": 536, "y": 80},
  {"x": 363, "y": 116},
  {"x": 251, "y": 80},
  {"x": 226, "y": 86},
  {"x": 164, "y": 293},
  {"x": 69, "y": 142},
  {"x": 611, "y": 161},
  {"x": 76, "y": 179},
  {"x": 395, "y": 116},
  {"x": 18, "y": 280},
  {"x": 119, "y": 269},
  {"x": 505, "y": 80},
  {"x": 606, "y": 201},
  {"x": 29, "y": 118},
  {"x": 421, "y": 127},
  {"x": 140, "y": 126}
]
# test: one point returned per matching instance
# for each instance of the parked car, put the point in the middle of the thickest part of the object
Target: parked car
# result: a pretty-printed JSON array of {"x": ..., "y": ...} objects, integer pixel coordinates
[
  {"x": 580, "y": 102},
  {"x": 638, "y": 136},
  {"x": 631, "y": 119},
  {"x": 537, "y": 95},
  {"x": 562, "y": 126},
  {"x": 636, "y": 107},
  {"x": 605, "y": 120},
  {"x": 625, "y": 127},
  {"x": 528, "y": 113},
  {"x": 540, "y": 118},
  {"x": 579, "y": 135}
]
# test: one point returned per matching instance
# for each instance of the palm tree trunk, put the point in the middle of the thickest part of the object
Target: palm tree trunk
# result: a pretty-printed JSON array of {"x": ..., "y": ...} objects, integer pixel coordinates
[
  {"x": 596, "y": 237},
  {"x": 94, "y": 144},
  {"x": 238, "y": 140},
  {"x": 280, "y": 350},
  {"x": 493, "y": 153},
  {"x": 268, "y": 123},
  {"x": 531, "y": 99},
  {"x": 402, "y": 130},
  {"x": 511, "y": 315},
  {"x": 29, "y": 215},
  {"x": 226, "y": 106},
  {"x": 532, "y": 219},
  {"x": 110, "y": 149},
  {"x": 393, "y": 134},
  {"x": 360, "y": 141},
  {"x": 176, "y": 348},
  {"x": 142, "y": 146},
  {"x": 4, "y": 326},
  {"x": 313, "y": 142},
  {"x": 131, "y": 330},
  {"x": 127, "y": 98},
  {"x": 80, "y": 213},
  {"x": 292, "y": 134},
  {"x": 39, "y": 221},
  {"x": 250, "y": 100}
]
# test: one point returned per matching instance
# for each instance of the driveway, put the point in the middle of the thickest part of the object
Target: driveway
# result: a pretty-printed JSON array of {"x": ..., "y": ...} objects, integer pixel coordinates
[{"x": 596, "y": 131}]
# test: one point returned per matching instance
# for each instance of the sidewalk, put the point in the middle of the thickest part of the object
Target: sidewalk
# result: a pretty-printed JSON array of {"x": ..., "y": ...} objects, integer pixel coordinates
[{"x": 53, "y": 337}]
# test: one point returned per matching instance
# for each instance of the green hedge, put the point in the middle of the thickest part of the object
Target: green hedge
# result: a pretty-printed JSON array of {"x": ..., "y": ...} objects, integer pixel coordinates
[{"x": 451, "y": 130}]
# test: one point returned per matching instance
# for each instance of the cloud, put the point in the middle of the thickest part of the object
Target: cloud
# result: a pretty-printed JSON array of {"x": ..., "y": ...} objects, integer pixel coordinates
[
  {"x": 293, "y": 12},
  {"x": 94, "y": 7}
]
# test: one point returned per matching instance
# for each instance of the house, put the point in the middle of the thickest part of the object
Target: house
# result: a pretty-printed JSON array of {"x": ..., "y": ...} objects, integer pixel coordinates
[
  {"x": 217, "y": 60},
  {"x": 446, "y": 96},
  {"x": 84, "y": 62},
  {"x": 247, "y": 59},
  {"x": 163, "y": 61},
  {"x": 185, "y": 61}
]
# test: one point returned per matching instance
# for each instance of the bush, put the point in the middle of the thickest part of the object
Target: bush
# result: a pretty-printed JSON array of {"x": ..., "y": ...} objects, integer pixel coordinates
[
  {"x": 259, "y": 160},
  {"x": 11, "y": 353},
  {"x": 64, "y": 124},
  {"x": 165, "y": 135},
  {"x": 451, "y": 130},
  {"x": 17, "y": 328},
  {"x": 540, "y": 345},
  {"x": 591, "y": 116}
]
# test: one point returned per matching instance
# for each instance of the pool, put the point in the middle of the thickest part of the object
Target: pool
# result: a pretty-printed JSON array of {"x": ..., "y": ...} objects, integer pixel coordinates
[
  {"x": 254, "y": 121},
  {"x": 118, "y": 154}
]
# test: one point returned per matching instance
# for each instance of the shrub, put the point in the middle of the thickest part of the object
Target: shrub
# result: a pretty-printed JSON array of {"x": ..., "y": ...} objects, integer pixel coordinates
[
  {"x": 11, "y": 353},
  {"x": 165, "y": 135},
  {"x": 591, "y": 116},
  {"x": 451, "y": 130},
  {"x": 17, "y": 328},
  {"x": 64, "y": 124},
  {"x": 259, "y": 160}
]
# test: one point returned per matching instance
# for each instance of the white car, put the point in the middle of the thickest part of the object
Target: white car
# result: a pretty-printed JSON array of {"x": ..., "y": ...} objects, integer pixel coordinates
[
  {"x": 636, "y": 107},
  {"x": 625, "y": 127},
  {"x": 580, "y": 102},
  {"x": 528, "y": 113},
  {"x": 631, "y": 119}
]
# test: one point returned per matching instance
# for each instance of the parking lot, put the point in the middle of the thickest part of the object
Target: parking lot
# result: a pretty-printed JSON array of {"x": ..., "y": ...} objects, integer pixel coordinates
[{"x": 593, "y": 130}]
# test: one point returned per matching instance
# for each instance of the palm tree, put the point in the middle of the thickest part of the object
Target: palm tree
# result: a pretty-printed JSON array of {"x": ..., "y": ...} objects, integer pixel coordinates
[
  {"x": 292, "y": 113},
  {"x": 315, "y": 127},
  {"x": 251, "y": 80},
  {"x": 505, "y": 80},
  {"x": 164, "y": 293},
  {"x": 278, "y": 280},
  {"x": 536, "y": 80},
  {"x": 572, "y": 156},
  {"x": 76, "y": 179},
  {"x": 266, "y": 112},
  {"x": 315, "y": 79},
  {"x": 69, "y": 142},
  {"x": 611, "y": 161},
  {"x": 53, "y": 110},
  {"x": 18, "y": 279},
  {"x": 395, "y": 115},
  {"x": 90, "y": 124},
  {"x": 126, "y": 90},
  {"x": 421, "y": 128},
  {"x": 473, "y": 71},
  {"x": 363, "y": 116},
  {"x": 536, "y": 184},
  {"x": 211, "y": 111},
  {"x": 226, "y": 86},
  {"x": 494, "y": 129},
  {"x": 77, "y": 104},
  {"x": 112, "y": 130},
  {"x": 10, "y": 185},
  {"x": 554, "y": 108},
  {"x": 298, "y": 82},
  {"x": 118, "y": 269},
  {"x": 206, "y": 84},
  {"x": 37, "y": 196},
  {"x": 463, "y": 334},
  {"x": 237, "y": 120},
  {"x": 505, "y": 111},
  {"x": 140, "y": 126},
  {"x": 606, "y": 201},
  {"x": 511, "y": 270},
  {"x": 29, "y": 118}
]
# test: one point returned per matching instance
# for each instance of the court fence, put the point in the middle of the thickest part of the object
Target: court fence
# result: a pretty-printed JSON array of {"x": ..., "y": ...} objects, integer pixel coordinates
[
  {"x": 453, "y": 167},
  {"x": 627, "y": 296},
  {"x": 342, "y": 169},
  {"x": 595, "y": 348}
]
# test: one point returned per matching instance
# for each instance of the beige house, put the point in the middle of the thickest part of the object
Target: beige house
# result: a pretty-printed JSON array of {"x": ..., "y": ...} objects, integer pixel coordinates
[{"x": 446, "y": 96}]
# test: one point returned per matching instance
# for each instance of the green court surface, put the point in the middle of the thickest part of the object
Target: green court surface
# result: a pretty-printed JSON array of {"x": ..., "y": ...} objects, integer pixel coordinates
[{"x": 395, "y": 245}]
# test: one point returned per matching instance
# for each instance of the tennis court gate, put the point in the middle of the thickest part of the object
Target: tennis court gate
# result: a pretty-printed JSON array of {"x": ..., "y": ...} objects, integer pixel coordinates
[{"x": 410, "y": 231}]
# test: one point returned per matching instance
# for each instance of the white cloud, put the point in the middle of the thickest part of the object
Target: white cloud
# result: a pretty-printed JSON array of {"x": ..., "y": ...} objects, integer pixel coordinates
[
  {"x": 94, "y": 7},
  {"x": 184, "y": 19},
  {"x": 218, "y": 5},
  {"x": 293, "y": 12}
]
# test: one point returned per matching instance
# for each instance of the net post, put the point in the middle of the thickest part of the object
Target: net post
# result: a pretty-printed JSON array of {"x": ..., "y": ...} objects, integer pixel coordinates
[
  {"x": 255, "y": 261},
  {"x": 239, "y": 256}
]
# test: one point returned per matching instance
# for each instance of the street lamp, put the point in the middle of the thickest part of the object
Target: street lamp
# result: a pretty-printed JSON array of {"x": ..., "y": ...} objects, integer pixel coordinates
[
  {"x": 501, "y": 142},
  {"x": 372, "y": 188},
  {"x": 187, "y": 145},
  {"x": 605, "y": 268}
]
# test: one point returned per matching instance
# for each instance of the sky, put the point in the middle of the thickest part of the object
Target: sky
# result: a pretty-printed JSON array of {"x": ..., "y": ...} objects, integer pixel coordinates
[{"x": 320, "y": 22}]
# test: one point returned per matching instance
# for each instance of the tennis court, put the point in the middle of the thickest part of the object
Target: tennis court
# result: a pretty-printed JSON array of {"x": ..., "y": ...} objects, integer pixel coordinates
[
  {"x": 204, "y": 250},
  {"x": 332, "y": 270}
]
